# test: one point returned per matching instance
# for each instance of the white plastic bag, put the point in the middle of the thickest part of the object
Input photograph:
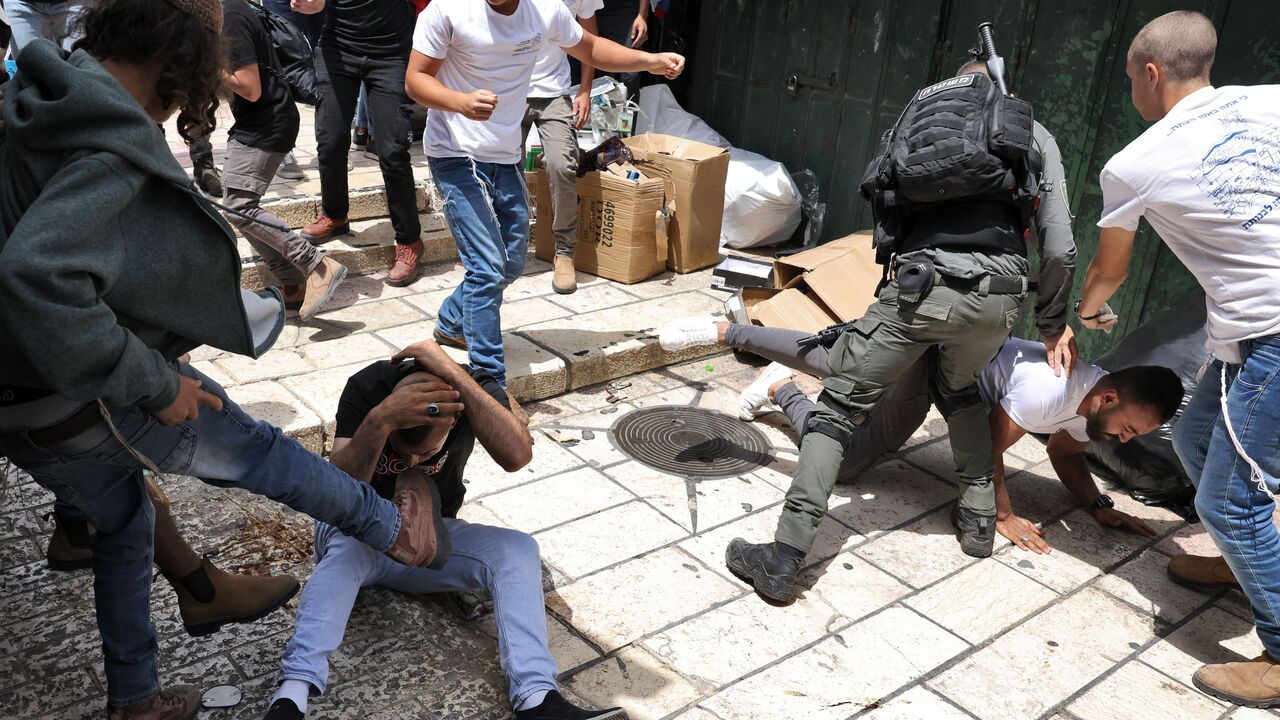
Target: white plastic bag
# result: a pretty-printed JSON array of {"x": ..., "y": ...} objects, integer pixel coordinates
[{"x": 761, "y": 201}]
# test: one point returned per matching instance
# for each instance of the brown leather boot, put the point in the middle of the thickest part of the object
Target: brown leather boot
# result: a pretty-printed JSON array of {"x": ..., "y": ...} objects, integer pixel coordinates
[
  {"x": 236, "y": 599},
  {"x": 448, "y": 340},
  {"x": 324, "y": 229},
  {"x": 64, "y": 555},
  {"x": 404, "y": 269},
  {"x": 1201, "y": 573},
  {"x": 293, "y": 297},
  {"x": 180, "y": 702},
  {"x": 1253, "y": 683},
  {"x": 564, "y": 281},
  {"x": 423, "y": 540},
  {"x": 322, "y": 283}
]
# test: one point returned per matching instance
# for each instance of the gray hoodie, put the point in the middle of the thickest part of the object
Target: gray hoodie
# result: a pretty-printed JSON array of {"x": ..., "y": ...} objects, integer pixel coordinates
[{"x": 111, "y": 265}]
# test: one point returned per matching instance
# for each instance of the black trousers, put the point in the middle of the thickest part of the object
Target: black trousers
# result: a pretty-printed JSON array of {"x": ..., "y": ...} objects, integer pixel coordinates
[{"x": 340, "y": 74}]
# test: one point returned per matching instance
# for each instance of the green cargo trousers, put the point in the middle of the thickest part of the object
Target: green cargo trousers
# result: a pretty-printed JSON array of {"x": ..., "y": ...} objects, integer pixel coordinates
[{"x": 970, "y": 325}]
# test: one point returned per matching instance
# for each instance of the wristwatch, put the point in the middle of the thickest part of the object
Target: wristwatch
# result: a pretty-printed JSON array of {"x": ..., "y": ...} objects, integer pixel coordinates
[{"x": 1104, "y": 502}]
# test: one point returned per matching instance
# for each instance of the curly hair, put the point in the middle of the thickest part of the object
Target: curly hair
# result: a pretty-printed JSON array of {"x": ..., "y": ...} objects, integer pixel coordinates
[{"x": 151, "y": 33}]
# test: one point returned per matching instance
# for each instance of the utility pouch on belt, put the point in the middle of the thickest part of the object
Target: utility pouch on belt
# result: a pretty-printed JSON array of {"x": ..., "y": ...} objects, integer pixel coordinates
[{"x": 915, "y": 280}]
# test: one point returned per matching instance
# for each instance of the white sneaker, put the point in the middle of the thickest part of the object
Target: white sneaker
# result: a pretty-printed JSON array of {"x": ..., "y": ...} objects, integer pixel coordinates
[
  {"x": 756, "y": 395},
  {"x": 687, "y": 332}
]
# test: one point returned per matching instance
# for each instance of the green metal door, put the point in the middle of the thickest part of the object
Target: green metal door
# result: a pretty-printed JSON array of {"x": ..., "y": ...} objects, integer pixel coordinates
[{"x": 1067, "y": 58}]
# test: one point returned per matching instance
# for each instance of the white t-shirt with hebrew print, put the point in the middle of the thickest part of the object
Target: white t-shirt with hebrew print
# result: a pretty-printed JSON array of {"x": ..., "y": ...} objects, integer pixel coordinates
[
  {"x": 1207, "y": 178},
  {"x": 482, "y": 49},
  {"x": 551, "y": 77},
  {"x": 1021, "y": 381}
]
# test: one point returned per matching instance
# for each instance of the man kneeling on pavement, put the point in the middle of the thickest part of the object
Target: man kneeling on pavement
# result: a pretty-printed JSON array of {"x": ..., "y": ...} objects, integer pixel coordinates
[{"x": 408, "y": 427}]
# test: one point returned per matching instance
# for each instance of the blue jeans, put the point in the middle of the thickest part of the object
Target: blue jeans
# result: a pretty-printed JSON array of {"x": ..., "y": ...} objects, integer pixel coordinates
[
  {"x": 487, "y": 208},
  {"x": 54, "y": 21},
  {"x": 505, "y": 562},
  {"x": 99, "y": 477},
  {"x": 1236, "y": 512}
]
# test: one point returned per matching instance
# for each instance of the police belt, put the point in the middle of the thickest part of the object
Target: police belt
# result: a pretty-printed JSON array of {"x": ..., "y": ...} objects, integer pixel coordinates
[{"x": 987, "y": 284}]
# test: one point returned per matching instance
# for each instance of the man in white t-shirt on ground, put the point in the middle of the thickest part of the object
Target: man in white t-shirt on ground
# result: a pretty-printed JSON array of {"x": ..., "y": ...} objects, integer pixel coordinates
[
  {"x": 1023, "y": 394},
  {"x": 472, "y": 63},
  {"x": 1206, "y": 175},
  {"x": 558, "y": 119}
]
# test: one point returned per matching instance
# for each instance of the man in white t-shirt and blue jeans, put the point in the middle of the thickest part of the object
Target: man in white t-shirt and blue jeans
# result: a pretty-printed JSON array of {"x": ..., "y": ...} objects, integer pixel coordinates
[
  {"x": 471, "y": 63},
  {"x": 558, "y": 119},
  {"x": 1206, "y": 176}
]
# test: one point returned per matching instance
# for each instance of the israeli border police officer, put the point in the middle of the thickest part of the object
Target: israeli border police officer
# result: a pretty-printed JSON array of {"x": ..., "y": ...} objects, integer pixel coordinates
[{"x": 962, "y": 185}]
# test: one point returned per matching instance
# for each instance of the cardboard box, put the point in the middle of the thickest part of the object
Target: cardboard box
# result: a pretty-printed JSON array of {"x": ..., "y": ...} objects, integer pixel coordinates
[
  {"x": 618, "y": 233},
  {"x": 698, "y": 172}
]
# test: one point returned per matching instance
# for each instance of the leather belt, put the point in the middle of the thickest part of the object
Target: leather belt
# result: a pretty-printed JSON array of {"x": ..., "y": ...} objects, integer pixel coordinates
[
  {"x": 988, "y": 284},
  {"x": 84, "y": 419}
]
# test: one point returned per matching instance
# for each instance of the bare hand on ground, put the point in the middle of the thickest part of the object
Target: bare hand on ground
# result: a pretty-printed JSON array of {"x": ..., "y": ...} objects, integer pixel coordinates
[
  {"x": 1110, "y": 517},
  {"x": 186, "y": 407},
  {"x": 1015, "y": 529}
]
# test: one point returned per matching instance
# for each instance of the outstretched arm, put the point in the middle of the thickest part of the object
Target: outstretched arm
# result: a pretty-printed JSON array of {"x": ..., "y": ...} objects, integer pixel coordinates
[
  {"x": 1068, "y": 458},
  {"x": 1106, "y": 274},
  {"x": 609, "y": 56},
  {"x": 1017, "y": 530}
]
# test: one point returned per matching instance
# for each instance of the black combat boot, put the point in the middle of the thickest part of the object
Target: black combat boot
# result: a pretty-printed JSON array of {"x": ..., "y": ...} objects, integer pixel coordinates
[
  {"x": 771, "y": 568},
  {"x": 977, "y": 533}
]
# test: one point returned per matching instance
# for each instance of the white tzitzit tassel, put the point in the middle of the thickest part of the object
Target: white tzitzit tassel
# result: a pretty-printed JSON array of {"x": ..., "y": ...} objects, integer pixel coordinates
[{"x": 1255, "y": 472}]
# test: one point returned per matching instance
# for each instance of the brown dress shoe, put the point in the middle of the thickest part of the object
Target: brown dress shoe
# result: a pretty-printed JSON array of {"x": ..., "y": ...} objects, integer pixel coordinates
[
  {"x": 180, "y": 702},
  {"x": 564, "y": 280},
  {"x": 325, "y": 229},
  {"x": 449, "y": 340},
  {"x": 1201, "y": 573},
  {"x": 404, "y": 269},
  {"x": 423, "y": 540},
  {"x": 236, "y": 599},
  {"x": 1253, "y": 683},
  {"x": 293, "y": 297},
  {"x": 322, "y": 283}
]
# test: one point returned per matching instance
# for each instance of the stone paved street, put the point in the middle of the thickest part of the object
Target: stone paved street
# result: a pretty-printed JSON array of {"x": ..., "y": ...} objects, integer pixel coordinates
[{"x": 895, "y": 622}]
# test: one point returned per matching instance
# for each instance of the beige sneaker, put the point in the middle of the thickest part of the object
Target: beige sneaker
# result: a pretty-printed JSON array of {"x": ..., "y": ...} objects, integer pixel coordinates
[
  {"x": 321, "y": 284},
  {"x": 564, "y": 281},
  {"x": 1201, "y": 573},
  {"x": 1253, "y": 683},
  {"x": 180, "y": 702}
]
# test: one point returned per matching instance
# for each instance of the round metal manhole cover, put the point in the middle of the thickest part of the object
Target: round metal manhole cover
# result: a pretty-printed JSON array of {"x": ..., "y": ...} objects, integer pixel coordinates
[{"x": 691, "y": 442}]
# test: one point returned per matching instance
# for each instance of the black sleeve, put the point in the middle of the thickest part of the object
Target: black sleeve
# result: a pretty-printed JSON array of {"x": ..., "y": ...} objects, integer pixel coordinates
[
  {"x": 362, "y": 394},
  {"x": 243, "y": 31},
  {"x": 491, "y": 386}
]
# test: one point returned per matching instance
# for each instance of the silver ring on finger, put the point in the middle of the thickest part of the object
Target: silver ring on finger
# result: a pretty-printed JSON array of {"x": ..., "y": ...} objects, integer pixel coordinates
[
  {"x": 1026, "y": 538},
  {"x": 433, "y": 409}
]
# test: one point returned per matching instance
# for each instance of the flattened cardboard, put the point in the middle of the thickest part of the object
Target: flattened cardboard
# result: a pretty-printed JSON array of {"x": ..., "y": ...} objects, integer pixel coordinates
[
  {"x": 698, "y": 172},
  {"x": 841, "y": 275},
  {"x": 791, "y": 309}
]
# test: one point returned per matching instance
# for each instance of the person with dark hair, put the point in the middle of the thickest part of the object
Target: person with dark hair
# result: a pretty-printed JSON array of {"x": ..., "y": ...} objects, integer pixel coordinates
[
  {"x": 1206, "y": 175},
  {"x": 367, "y": 41},
  {"x": 265, "y": 130},
  {"x": 379, "y": 439},
  {"x": 114, "y": 267}
]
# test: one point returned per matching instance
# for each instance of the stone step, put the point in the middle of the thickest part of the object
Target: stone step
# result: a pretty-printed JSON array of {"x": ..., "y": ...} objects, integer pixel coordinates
[
  {"x": 368, "y": 249},
  {"x": 554, "y": 344}
]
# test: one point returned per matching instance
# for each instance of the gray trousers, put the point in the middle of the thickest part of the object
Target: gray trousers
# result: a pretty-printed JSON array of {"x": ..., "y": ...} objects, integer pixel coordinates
[
  {"x": 246, "y": 176},
  {"x": 554, "y": 118},
  {"x": 892, "y": 421}
]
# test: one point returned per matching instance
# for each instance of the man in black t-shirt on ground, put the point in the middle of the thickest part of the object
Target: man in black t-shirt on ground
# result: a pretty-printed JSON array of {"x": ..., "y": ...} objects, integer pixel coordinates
[
  {"x": 415, "y": 420},
  {"x": 265, "y": 130},
  {"x": 367, "y": 41}
]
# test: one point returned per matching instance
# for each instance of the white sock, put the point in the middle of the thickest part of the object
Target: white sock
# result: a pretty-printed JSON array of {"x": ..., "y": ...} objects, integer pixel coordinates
[
  {"x": 533, "y": 700},
  {"x": 296, "y": 690}
]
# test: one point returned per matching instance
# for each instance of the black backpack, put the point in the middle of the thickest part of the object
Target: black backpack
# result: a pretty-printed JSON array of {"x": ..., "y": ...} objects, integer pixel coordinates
[
  {"x": 293, "y": 60},
  {"x": 957, "y": 140}
]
